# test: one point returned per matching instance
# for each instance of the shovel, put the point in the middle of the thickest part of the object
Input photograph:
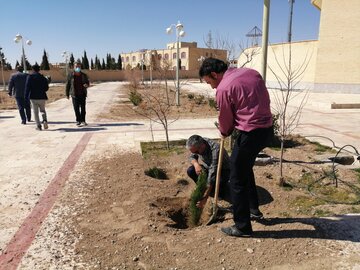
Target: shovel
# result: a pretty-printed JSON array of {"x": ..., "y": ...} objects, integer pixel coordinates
[{"x": 217, "y": 185}]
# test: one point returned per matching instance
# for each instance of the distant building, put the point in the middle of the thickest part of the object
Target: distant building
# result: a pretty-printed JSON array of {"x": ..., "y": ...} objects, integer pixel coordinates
[
  {"x": 190, "y": 57},
  {"x": 333, "y": 61}
]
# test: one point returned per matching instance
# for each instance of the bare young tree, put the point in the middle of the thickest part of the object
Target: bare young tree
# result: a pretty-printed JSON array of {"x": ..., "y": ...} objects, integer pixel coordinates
[
  {"x": 247, "y": 53},
  {"x": 156, "y": 108},
  {"x": 288, "y": 79},
  {"x": 222, "y": 42}
]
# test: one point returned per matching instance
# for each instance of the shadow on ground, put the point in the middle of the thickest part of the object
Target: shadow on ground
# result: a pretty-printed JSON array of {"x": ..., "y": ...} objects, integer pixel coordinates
[{"x": 342, "y": 227}]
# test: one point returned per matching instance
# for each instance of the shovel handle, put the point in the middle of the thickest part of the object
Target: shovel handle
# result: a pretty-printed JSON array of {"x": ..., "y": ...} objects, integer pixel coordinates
[{"x": 218, "y": 172}]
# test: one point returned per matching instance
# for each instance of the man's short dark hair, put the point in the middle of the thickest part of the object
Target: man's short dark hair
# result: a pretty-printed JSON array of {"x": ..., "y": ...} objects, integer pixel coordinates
[
  {"x": 20, "y": 68},
  {"x": 36, "y": 68},
  {"x": 212, "y": 65},
  {"x": 194, "y": 140}
]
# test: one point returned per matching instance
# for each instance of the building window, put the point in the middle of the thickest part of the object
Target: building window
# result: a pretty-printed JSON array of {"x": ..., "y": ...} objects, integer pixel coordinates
[
  {"x": 183, "y": 55},
  {"x": 134, "y": 58},
  {"x": 159, "y": 56},
  {"x": 166, "y": 56},
  {"x": 183, "y": 68},
  {"x": 206, "y": 54},
  {"x": 174, "y": 55},
  {"x": 127, "y": 58}
]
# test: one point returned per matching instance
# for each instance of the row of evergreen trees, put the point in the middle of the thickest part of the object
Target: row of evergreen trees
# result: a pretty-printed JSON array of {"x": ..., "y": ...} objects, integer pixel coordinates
[{"x": 105, "y": 64}]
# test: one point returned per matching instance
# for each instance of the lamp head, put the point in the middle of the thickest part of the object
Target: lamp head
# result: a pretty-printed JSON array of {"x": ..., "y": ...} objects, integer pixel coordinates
[
  {"x": 179, "y": 26},
  {"x": 17, "y": 38},
  {"x": 29, "y": 42},
  {"x": 182, "y": 33},
  {"x": 169, "y": 30}
]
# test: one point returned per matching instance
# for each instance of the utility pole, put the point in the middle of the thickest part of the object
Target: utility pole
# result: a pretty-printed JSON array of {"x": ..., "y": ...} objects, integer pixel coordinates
[
  {"x": 265, "y": 38},
  {"x": 290, "y": 20}
]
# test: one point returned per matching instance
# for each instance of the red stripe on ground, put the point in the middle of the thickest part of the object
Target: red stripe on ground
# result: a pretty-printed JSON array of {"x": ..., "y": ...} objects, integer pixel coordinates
[{"x": 23, "y": 238}]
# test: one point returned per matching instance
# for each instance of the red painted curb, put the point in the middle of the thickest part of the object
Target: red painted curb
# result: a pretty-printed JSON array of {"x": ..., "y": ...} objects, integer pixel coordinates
[{"x": 23, "y": 238}]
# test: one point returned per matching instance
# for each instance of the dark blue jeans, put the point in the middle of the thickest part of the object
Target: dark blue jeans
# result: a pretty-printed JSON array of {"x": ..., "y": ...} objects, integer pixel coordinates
[
  {"x": 24, "y": 108},
  {"x": 79, "y": 104},
  {"x": 242, "y": 181}
]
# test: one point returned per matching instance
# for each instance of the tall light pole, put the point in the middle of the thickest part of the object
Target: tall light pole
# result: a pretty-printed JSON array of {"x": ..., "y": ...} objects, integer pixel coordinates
[
  {"x": 19, "y": 38},
  {"x": 2, "y": 70},
  {"x": 265, "y": 38},
  {"x": 179, "y": 33},
  {"x": 149, "y": 53},
  {"x": 66, "y": 55}
]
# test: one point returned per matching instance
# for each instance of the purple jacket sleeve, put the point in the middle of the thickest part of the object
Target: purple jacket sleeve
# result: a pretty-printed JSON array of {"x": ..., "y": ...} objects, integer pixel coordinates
[{"x": 226, "y": 114}]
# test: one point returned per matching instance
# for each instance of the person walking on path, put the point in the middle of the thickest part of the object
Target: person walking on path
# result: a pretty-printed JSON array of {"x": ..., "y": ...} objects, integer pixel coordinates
[
  {"x": 205, "y": 156},
  {"x": 35, "y": 89},
  {"x": 76, "y": 87},
  {"x": 244, "y": 104},
  {"x": 17, "y": 89}
]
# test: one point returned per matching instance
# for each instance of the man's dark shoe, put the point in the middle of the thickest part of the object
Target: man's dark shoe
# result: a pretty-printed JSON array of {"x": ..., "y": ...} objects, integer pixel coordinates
[
  {"x": 23, "y": 122},
  {"x": 38, "y": 127},
  {"x": 234, "y": 231},
  {"x": 256, "y": 214},
  {"x": 78, "y": 124}
]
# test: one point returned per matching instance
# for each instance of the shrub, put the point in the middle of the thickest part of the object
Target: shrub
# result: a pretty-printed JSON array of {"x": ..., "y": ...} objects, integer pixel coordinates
[
  {"x": 212, "y": 103},
  {"x": 135, "y": 98},
  {"x": 195, "y": 212},
  {"x": 156, "y": 173},
  {"x": 190, "y": 96}
]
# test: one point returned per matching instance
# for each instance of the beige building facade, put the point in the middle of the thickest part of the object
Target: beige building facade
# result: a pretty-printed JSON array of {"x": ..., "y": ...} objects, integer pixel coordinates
[
  {"x": 189, "y": 54},
  {"x": 332, "y": 62}
]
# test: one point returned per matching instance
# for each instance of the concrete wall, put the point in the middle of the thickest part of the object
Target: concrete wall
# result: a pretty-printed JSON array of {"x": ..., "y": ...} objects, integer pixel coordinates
[
  {"x": 303, "y": 59},
  {"x": 111, "y": 75},
  {"x": 338, "y": 57}
]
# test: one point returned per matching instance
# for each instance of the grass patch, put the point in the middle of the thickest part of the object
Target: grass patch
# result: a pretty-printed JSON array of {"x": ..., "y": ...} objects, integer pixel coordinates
[
  {"x": 159, "y": 148},
  {"x": 320, "y": 148},
  {"x": 197, "y": 194},
  {"x": 357, "y": 173},
  {"x": 305, "y": 205}
]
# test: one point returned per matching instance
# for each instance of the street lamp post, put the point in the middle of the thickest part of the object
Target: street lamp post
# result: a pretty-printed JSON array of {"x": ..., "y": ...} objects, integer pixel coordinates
[
  {"x": 66, "y": 54},
  {"x": 2, "y": 71},
  {"x": 17, "y": 39},
  {"x": 179, "y": 33},
  {"x": 150, "y": 66}
]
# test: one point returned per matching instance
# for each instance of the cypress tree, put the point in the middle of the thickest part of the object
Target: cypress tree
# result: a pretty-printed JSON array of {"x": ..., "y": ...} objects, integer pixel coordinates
[
  {"x": 71, "y": 61},
  {"x": 45, "y": 63},
  {"x": 85, "y": 62},
  {"x": 119, "y": 63}
]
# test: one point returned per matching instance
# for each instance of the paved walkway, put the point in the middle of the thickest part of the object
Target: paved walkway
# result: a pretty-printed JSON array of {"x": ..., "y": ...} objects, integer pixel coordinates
[{"x": 34, "y": 166}]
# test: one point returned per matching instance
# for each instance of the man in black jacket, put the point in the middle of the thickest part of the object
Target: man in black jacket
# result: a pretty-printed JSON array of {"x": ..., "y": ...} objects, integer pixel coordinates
[
  {"x": 76, "y": 87},
  {"x": 35, "y": 89},
  {"x": 17, "y": 89}
]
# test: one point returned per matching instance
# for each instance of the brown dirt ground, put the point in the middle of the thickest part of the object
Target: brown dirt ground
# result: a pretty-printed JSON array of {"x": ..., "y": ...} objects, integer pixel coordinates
[
  {"x": 8, "y": 103},
  {"x": 123, "y": 219}
]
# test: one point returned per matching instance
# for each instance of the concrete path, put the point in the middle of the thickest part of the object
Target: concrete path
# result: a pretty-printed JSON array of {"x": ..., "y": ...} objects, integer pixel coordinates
[{"x": 35, "y": 165}]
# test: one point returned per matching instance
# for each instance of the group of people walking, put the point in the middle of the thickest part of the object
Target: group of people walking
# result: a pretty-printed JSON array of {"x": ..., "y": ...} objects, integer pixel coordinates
[{"x": 29, "y": 90}]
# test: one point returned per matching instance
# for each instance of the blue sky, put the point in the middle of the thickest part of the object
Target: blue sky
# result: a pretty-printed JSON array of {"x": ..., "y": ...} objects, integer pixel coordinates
[{"x": 115, "y": 26}]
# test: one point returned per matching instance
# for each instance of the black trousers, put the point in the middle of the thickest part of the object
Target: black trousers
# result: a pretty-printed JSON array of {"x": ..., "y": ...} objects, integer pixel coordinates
[
  {"x": 242, "y": 181},
  {"x": 79, "y": 104},
  {"x": 24, "y": 108}
]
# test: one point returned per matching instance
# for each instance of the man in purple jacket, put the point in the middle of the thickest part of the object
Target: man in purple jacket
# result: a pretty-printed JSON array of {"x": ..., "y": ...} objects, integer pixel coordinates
[{"x": 244, "y": 104}]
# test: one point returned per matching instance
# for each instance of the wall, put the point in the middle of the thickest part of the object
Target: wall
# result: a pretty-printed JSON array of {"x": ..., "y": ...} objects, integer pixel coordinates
[
  {"x": 302, "y": 54},
  {"x": 338, "y": 58},
  {"x": 110, "y": 75}
]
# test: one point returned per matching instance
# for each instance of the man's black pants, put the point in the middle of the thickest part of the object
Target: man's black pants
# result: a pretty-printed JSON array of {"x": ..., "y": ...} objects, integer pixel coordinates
[
  {"x": 79, "y": 104},
  {"x": 242, "y": 181}
]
